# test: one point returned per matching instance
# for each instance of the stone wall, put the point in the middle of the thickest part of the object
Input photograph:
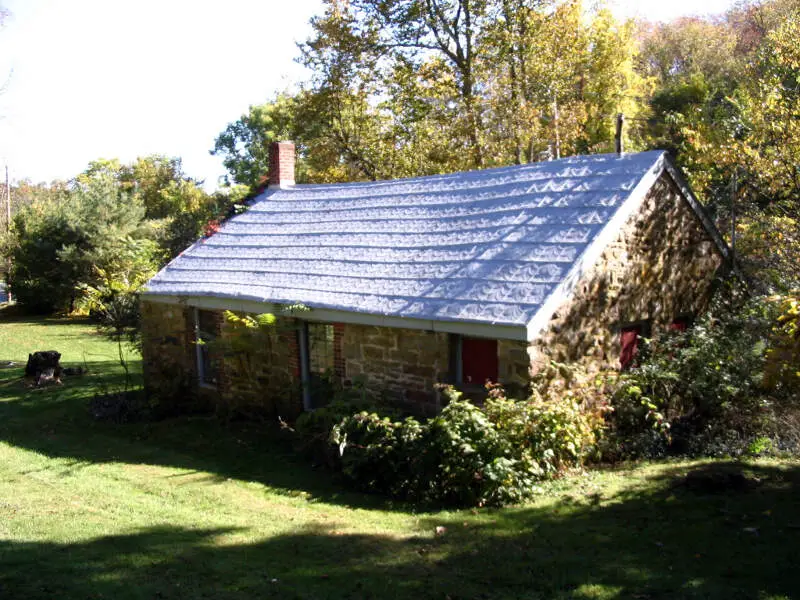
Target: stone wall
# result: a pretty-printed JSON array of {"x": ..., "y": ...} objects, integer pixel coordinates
[
  {"x": 168, "y": 353},
  {"x": 262, "y": 382},
  {"x": 661, "y": 266},
  {"x": 402, "y": 365},
  {"x": 514, "y": 366},
  {"x": 259, "y": 370}
]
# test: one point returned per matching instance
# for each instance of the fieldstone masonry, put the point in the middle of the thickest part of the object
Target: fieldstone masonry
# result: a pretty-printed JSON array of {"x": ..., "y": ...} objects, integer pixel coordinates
[
  {"x": 403, "y": 365},
  {"x": 661, "y": 266}
]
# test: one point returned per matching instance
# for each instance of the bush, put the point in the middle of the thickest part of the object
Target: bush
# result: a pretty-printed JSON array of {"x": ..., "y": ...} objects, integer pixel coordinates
[
  {"x": 705, "y": 391},
  {"x": 553, "y": 435},
  {"x": 377, "y": 453},
  {"x": 466, "y": 455},
  {"x": 315, "y": 428}
]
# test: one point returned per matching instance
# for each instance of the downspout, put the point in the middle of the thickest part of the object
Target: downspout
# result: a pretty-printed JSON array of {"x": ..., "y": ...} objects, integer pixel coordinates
[{"x": 305, "y": 374}]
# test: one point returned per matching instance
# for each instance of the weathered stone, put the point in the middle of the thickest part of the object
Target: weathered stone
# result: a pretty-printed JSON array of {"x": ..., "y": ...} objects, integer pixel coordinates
[
  {"x": 409, "y": 361},
  {"x": 373, "y": 353},
  {"x": 419, "y": 370},
  {"x": 661, "y": 265}
]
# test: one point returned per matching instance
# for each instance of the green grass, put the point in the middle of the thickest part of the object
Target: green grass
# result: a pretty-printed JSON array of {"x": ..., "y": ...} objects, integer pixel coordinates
[{"x": 194, "y": 508}]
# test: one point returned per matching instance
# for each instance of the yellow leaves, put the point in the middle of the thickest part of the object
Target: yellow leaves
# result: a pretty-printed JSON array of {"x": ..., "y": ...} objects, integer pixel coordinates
[
  {"x": 783, "y": 358},
  {"x": 245, "y": 321}
]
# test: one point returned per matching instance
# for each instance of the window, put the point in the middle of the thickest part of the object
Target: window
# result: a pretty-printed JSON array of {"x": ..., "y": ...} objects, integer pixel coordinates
[
  {"x": 320, "y": 351},
  {"x": 473, "y": 360},
  {"x": 205, "y": 328},
  {"x": 681, "y": 323},
  {"x": 320, "y": 348},
  {"x": 629, "y": 345}
]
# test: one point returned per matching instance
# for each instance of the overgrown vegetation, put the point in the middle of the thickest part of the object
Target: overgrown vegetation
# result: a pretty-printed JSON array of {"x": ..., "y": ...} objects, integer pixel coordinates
[
  {"x": 107, "y": 230},
  {"x": 727, "y": 386}
]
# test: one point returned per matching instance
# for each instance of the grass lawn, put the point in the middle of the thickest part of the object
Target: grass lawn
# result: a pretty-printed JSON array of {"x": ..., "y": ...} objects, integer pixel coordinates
[{"x": 195, "y": 508}]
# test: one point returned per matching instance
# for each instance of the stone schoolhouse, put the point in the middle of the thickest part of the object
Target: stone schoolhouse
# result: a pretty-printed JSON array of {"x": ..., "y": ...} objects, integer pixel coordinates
[{"x": 458, "y": 278}]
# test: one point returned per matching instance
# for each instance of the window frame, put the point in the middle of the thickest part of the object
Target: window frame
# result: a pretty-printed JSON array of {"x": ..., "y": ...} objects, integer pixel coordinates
[
  {"x": 328, "y": 339},
  {"x": 304, "y": 351},
  {"x": 202, "y": 352}
]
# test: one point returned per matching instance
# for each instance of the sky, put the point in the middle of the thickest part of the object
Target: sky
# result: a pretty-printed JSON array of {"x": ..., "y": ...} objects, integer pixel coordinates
[{"x": 89, "y": 79}]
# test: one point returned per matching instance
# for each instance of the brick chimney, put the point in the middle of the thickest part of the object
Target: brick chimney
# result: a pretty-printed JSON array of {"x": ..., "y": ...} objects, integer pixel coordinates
[{"x": 281, "y": 165}]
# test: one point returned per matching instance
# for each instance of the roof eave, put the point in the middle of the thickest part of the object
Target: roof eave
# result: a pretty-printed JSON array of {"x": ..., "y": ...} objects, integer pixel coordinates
[{"x": 500, "y": 331}]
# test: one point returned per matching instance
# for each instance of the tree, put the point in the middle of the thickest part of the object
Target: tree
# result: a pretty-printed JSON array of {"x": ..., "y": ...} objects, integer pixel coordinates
[
  {"x": 448, "y": 29},
  {"x": 243, "y": 144},
  {"x": 726, "y": 104},
  {"x": 413, "y": 87},
  {"x": 766, "y": 155},
  {"x": 57, "y": 246},
  {"x": 556, "y": 78}
]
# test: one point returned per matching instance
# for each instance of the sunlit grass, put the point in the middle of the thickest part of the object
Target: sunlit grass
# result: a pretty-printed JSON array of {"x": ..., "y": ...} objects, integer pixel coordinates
[{"x": 193, "y": 508}]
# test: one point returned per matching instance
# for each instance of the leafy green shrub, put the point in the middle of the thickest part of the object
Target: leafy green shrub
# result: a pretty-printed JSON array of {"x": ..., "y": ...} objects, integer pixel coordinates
[
  {"x": 463, "y": 460},
  {"x": 315, "y": 428},
  {"x": 701, "y": 392},
  {"x": 467, "y": 455},
  {"x": 56, "y": 246},
  {"x": 552, "y": 435},
  {"x": 376, "y": 452}
]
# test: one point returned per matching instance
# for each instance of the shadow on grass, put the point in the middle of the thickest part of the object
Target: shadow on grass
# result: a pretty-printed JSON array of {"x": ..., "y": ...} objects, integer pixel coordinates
[
  {"x": 55, "y": 421},
  {"x": 14, "y": 314},
  {"x": 659, "y": 541}
]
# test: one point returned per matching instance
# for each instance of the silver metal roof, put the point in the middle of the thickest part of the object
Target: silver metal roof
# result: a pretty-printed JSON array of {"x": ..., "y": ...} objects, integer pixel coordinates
[{"x": 492, "y": 246}]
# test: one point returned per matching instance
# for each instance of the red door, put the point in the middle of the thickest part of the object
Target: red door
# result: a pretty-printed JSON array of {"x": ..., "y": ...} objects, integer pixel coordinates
[
  {"x": 479, "y": 360},
  {"x": 629, "y": 342}
]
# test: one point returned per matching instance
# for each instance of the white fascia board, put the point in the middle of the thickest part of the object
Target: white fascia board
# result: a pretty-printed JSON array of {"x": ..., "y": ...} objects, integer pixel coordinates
[
  {"x": 592, "y": 254},
  {"x": 324, "y": 315}
]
